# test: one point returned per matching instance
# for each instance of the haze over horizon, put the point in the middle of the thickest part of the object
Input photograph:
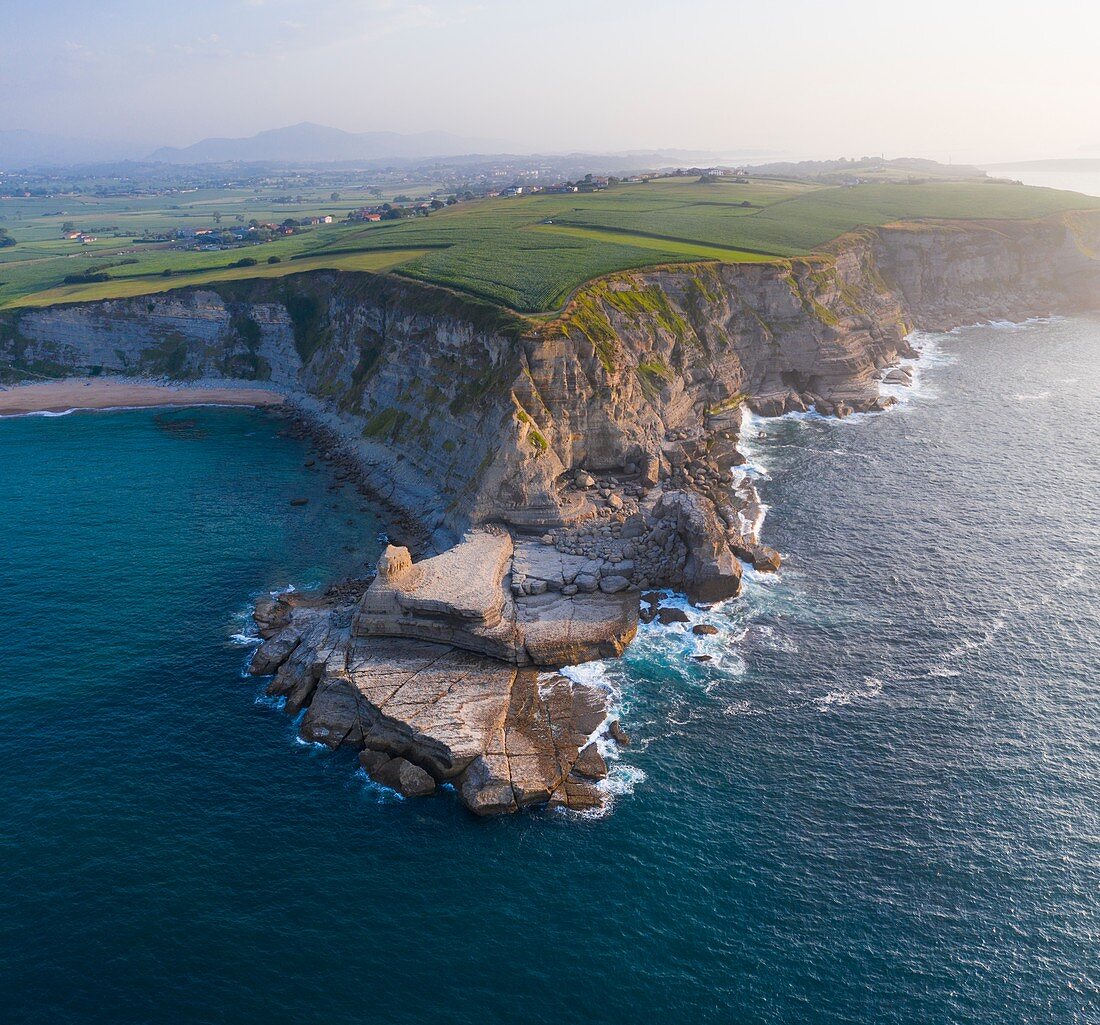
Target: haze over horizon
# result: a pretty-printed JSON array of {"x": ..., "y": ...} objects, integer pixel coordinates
[{"x": 948, "y": 82}]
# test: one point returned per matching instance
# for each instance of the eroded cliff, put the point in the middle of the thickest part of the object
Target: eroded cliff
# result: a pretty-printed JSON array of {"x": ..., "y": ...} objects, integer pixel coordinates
[{"x": 601, "y": 443}]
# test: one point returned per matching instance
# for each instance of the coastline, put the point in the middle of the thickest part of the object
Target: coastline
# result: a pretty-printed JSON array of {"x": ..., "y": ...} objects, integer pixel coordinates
[{"x": 80, "y": 393}]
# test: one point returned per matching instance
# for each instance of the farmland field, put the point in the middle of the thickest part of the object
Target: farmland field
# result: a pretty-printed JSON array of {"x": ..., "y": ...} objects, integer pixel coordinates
[
  {"x": 527, "y": 252},
  {"x": 123, "y": 287}
]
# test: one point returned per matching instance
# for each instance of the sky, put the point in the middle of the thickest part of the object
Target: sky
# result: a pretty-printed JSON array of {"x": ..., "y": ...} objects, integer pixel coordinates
[{"x": 961, "y": 80}]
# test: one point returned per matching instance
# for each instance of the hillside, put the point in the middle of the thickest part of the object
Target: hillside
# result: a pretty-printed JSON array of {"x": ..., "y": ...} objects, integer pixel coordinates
[{"x": 527, "y": 252}]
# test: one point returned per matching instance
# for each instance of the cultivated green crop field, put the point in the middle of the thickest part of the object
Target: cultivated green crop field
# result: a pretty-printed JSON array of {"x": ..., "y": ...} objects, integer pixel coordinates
[{"x": 527, "y": 253}]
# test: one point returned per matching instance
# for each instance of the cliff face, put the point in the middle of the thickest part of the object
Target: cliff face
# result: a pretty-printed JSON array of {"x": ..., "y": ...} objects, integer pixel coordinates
[
  {"x": 463, "y": 413},
  {"x": 952, "y": 274},
  {"x": 609, "y": 432}
]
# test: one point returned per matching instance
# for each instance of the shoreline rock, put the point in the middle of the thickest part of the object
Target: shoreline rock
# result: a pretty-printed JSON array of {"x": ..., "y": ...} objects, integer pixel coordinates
[{"x": 544, "y": 474}]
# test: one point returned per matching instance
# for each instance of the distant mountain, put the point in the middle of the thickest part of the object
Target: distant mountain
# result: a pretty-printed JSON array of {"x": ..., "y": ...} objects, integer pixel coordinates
[
  {"x": 20, "y": 148},
  {"x": 311, "y": 143}
]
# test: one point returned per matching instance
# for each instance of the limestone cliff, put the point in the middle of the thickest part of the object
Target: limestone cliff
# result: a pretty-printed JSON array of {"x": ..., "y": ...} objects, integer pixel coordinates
[
  {"x": 464, "y": 413},
  {"x": 592, "y": 453}
]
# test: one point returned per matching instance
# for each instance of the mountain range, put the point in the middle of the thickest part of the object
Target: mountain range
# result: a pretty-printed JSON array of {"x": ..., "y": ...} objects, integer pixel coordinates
[
  {"x": 308, "y": 142},
  {"x": 301, "y": 143}
]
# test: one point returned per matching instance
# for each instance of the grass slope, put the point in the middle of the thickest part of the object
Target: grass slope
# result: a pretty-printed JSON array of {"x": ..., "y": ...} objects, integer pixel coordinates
[
  {"x": 527, "y": 253},
  {"x": 127, "y": 287}
]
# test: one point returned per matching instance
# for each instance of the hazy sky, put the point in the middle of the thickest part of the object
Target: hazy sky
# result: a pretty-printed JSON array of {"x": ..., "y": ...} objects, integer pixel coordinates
[{"x": 960, "y": 79}]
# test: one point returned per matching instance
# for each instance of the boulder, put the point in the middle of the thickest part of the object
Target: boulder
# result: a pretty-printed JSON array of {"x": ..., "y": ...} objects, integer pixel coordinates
[
  {"x": 711, "y": 571},
  {"x": 274, "y": 651},
  {"x": 668, "y": 615},
  {"x": 899, "y": 375},
  {"x": 371, "y": 761},
  {"x": 272, "y": 614},
  {"x": 590, "y": 764},
  {"x": 704, "y": 629},
  {"x": 407, "y": 779},
  {"x": 616, "y": 732},
  {"x": 586, "y": 582}
]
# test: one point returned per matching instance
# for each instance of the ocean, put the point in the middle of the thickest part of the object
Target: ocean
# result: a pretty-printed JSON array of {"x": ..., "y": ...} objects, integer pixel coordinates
[
  {"x": 1086, "y": 182},
  {"x": 877, "y": 802}
]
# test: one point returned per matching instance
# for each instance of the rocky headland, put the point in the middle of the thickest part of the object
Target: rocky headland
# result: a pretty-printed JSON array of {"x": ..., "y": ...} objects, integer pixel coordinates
[{"x": 550, "y": 471}]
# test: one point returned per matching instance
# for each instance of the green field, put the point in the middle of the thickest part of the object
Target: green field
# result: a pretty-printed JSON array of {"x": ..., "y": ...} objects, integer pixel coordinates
[
  {"x": 527, "y": 253},
  {"x": 124, "y": 287}
]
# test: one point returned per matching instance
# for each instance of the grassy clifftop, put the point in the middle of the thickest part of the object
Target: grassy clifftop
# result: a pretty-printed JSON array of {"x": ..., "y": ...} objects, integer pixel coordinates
[{"x": 529, "y": 253}]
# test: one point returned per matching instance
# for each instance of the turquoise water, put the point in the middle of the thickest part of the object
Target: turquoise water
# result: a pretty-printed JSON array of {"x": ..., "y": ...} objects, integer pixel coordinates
[{"x": 878, "y": 802}]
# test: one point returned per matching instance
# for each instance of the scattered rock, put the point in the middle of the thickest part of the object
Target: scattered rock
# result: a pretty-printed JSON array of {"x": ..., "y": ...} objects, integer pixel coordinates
[
  {"x": 371, "y": 761},
  {"x": 704, "y": 629},
  {"x": 590, "y": 764},
  {"x": 616, "y": 732},
  {"x": 666, "y": 616},
  {"x": 407, "y": 779},
  {"x": 299, "y": 501},
  {"x": 586, "y": 582},
  {"x": 614, "y": 584}
]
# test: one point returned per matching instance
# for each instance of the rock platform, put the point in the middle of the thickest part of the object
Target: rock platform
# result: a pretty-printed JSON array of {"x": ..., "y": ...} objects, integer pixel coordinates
[{"x": 435, "y": 670}]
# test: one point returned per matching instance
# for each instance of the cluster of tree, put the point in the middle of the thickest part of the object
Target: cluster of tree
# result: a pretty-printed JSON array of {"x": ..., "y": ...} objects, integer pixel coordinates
[{"x": 5, "y": 238}]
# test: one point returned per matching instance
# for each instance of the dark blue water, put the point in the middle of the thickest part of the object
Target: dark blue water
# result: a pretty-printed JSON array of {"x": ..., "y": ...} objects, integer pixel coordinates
[{"x": 878, "y": 803}]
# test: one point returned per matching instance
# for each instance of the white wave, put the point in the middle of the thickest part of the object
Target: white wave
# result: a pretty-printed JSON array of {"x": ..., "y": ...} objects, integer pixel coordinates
[
  {"x": 589, "y": 674},
  {"x": 39, "y": 412},
  {"x": 1008, "y": 325},
  {"x": 968, "y": 644},
  {"x": 1073, "y": 576},
  {"x": 748, "y": 444},
  {"x": 381, "y": 793},
  {"x": 871, "y": 688},
  {"x": 751, "y": 575},
  {"x": 739, "y": 708},
  {"x": 620, "y": 781},
  {"x": 265, "y": 700},
  {"x": 1038, "y": 397},
  {"x": 315, "y": 745}
]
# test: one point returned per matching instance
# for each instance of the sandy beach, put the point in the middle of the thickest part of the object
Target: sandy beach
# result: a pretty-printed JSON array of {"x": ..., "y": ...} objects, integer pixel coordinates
[{"x": 105, "y": 393}]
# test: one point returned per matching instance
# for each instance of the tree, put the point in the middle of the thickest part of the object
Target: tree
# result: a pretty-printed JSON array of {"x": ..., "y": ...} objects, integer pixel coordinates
[
  {"x": 335, "y": 197},
  {"x": 217, "y": 217}
]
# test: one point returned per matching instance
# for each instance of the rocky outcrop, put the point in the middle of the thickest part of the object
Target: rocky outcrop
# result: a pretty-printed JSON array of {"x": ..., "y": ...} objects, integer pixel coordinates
[
  {"x": 466, "y": 598},
  {"x": 423, "y": 713},
  {"x": 581, "y": 459}
]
